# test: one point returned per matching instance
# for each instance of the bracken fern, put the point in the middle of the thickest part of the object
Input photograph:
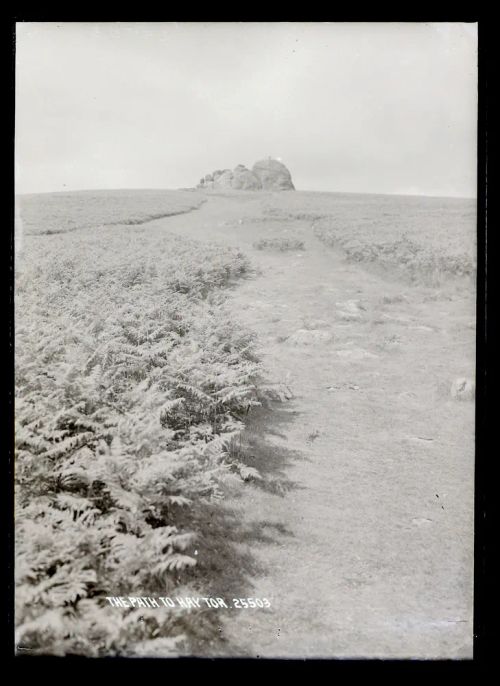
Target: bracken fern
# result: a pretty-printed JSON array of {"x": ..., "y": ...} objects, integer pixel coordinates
[{"x": 132, "y": 381}]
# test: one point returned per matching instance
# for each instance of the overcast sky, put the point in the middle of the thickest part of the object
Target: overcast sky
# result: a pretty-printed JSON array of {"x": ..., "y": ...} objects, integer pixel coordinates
[{"x": 375, "y": 107}]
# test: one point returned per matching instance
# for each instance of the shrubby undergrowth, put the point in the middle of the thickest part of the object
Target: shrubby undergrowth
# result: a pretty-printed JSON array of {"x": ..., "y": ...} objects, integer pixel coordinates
[
  {"x": 132, "y": 381},
  {"x": 414, "y": 238},
  {"x": 281, "y": 244},
  {"x": 408, "y": 258}
]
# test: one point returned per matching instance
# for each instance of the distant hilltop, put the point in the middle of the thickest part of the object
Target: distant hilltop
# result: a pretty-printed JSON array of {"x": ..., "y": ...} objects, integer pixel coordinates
[{"x": 266, "y": 175}]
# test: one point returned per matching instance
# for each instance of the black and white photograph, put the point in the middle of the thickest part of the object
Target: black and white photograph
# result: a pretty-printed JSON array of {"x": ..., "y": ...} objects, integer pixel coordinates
[{"x": 245, "y": 306}]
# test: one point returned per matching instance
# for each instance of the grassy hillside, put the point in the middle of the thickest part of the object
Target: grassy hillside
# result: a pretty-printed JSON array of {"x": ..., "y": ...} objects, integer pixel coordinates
[{"x": 50, "y": 213}]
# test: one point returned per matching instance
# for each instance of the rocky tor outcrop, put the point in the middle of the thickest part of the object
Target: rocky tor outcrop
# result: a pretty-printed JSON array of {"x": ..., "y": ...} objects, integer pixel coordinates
[
  {"x": 267, "y": 174},
  {"x": 273, "y": 175}
]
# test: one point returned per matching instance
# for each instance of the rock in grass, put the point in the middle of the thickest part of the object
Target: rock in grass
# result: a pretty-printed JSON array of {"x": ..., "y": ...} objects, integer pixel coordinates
[
  {"x": 463, "y": 389},
  {"x": 310, "y": 337},
  {"x": 350, "y": 310},
  {"x": 315, "y": 323}
]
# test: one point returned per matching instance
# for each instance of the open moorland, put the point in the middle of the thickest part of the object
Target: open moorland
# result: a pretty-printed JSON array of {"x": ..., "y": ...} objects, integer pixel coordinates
[{"x": 245, "y": 396}]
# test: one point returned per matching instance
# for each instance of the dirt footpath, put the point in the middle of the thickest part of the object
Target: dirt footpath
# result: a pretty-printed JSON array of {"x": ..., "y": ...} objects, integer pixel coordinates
[{"x": 367, "y": 549}]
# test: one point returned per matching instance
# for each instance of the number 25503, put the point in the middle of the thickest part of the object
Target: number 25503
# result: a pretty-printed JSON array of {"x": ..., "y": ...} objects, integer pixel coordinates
[{"x": 243, "y": 603}]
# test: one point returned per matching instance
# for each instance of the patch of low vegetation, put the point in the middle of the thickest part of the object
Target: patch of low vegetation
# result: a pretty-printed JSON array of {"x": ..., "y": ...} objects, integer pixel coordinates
[
  {"x": 54, "y": 213},
  {"x": 132, "y": 383},
  {"x": 414, "y": 238},
  {"x": 414, "y": 259},
  {"x": 281, "y": 244}
]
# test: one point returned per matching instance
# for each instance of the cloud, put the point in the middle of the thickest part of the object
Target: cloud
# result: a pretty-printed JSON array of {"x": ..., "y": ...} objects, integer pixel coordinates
[{"x": 355, "y": 107}]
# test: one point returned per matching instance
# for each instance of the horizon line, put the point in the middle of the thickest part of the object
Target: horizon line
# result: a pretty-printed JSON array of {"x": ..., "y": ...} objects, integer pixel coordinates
[{"x": 303, "y": 190}]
